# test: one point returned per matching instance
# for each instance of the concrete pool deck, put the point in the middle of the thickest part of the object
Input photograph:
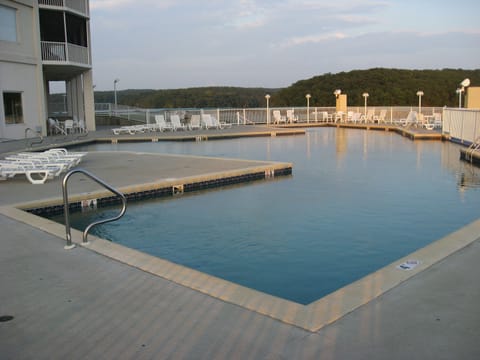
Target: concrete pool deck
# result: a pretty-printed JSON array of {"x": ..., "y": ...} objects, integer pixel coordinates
[{"x": 84, "y": 303}]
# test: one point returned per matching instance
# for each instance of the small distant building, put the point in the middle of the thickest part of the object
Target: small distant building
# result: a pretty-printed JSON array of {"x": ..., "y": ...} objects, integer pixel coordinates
[
  {"x": 341, "y": 103},
  {"x": 42, "y": 42},
  {"x": 472, "y": 99}
]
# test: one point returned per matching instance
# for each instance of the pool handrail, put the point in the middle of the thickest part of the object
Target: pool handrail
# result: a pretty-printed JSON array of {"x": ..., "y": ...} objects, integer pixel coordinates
[
  {"x": 66, "y": 206},
  {"x": 36, "y": 133},
  {"x": 474, "y": 146}
]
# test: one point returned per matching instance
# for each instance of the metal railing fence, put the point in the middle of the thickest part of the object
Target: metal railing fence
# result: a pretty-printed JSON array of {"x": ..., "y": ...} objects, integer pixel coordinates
[{"x": 246, "y": 116}]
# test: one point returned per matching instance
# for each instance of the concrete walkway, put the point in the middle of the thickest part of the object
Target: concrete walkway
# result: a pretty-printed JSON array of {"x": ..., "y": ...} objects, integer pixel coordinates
[{"x": 82, "y": 304}]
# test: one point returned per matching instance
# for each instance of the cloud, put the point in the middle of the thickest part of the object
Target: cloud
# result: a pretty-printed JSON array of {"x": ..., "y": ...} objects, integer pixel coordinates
[
  {"x": 310, "y": 39},
  {"x": 340, "y": 6},
  {"x": 118, "y": 4},
  {"x": 248, "y": 21},
  {"x": 244, "y": 14}
]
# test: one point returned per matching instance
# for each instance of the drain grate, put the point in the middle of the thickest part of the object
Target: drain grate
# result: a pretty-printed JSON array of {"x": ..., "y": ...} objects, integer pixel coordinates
[{"x": 5, "y": 318}]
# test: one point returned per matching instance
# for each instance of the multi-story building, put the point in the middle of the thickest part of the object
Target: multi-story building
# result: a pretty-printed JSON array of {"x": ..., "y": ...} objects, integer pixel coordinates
[{"x": 44, "y": 43}]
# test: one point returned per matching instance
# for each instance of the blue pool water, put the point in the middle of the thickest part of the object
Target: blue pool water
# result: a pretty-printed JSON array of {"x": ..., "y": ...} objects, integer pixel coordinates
[{"x": 357, "y": 201}]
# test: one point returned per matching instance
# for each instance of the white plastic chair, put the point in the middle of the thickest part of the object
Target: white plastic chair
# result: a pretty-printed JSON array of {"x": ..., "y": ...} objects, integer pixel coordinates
[
  {"x": 81, "y": 126},
  {"x": 68, "y": 126},
  {"x": 338, "y": 116},
  {"x": 326, "y": 116},
  {"x": 54, "y": 128},
  {"x": 278, "y": 118},
  {"x": 369, "y": 117},
  {"x": 437, "y": 120}
]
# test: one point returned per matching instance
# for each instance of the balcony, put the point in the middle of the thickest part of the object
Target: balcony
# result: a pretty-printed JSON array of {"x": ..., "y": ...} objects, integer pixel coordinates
[
  {"x": 57, "y": 53},
  {"x": 76, "y": 6}
]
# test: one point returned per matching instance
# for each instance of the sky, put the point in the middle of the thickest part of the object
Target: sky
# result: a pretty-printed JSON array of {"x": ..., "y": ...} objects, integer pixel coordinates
[{"x": 171, "y": 44}]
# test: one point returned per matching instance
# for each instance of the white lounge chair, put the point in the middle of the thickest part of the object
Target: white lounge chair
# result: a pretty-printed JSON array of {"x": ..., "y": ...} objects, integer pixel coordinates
[
  {"x": 54, "y": 169},
  {"x": 208, "y": 123},
  {"x": 65, "y": 152},
  {"x": 41, "y": 161},
  {"x": 356, "y": 117},
  {"x": 291, "y": 118},
  {"x": 381, "y": 117},
  {"x": 410, "y": 120},
  {"x": 219, "y": 124},
  {"x": 141, "y": 128},
  {"x": 57, "y": 157},
  {"x": 176, "y": 124},
  {"x": 132, "y": 129},
  {"x": 39, "y": 166},
  {"x": 194, "y": 122},
  {"x": 278, "y": 118},
  {"x": 34, "y": 174},
  {"x": 162, "y": 124},
  {"x": 423, "y": 121},
  {"x": 122, "y": 130},
  {"x": 369, "y": 117}
]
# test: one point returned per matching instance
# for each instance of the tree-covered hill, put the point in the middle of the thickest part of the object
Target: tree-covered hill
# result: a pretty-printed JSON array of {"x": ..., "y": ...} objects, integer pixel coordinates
[
  {"x": 389, "y": 87},
  {"x": 201, "y": 97}
]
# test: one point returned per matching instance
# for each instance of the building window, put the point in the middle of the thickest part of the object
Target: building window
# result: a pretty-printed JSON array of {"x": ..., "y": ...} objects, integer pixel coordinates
[
  {"x": 52, "y": 26},
  {"x": 12, "y": 103},
  {"x": 76, "y": 30},
  {"x": 8, "y": 23}
]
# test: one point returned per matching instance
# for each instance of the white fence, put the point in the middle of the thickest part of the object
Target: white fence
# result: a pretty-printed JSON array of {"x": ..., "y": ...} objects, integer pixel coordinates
[
  {"x": 462, "y": 125},
  {"x": 245, "y": 116}
]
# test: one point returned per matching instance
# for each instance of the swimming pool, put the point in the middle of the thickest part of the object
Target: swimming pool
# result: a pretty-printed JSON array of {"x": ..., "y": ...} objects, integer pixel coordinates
[{"x": 357, "y": 201}]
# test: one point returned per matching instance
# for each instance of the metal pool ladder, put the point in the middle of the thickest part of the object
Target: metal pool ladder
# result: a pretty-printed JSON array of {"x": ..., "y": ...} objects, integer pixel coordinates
[
  {"x": 472, "y": 148},
  {"x": 66, "y": 206}
]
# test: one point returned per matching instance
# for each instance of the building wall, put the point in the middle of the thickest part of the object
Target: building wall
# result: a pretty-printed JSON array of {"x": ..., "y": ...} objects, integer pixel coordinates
[
  {"x": 472, "y": 100},
  {"x": 20, "y": 71},
  {"x": 89, "y": 101},
  {"x": 18, "y": 78}
]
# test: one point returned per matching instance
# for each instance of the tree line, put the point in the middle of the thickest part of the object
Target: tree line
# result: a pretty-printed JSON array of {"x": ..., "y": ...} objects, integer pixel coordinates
[{"x": 387, "y": 87}]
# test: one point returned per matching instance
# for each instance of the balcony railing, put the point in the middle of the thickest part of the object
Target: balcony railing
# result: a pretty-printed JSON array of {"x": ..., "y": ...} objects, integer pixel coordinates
[
  {"x": 65, "y": 52},
  {"x": 78, "y": 6}
]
